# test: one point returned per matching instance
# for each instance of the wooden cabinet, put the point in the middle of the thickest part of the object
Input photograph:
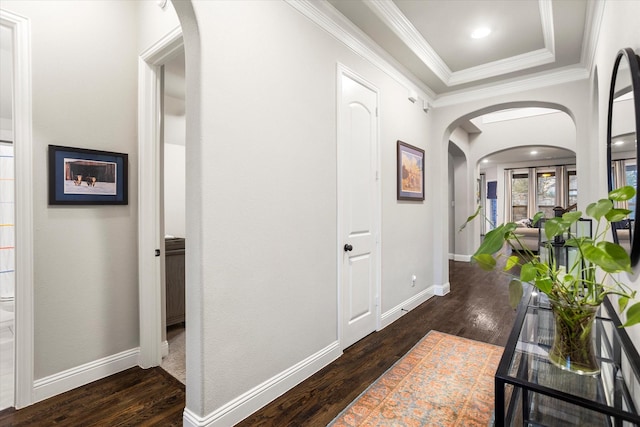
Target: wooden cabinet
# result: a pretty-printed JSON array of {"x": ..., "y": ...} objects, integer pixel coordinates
[{"x": 174, "y": 265}]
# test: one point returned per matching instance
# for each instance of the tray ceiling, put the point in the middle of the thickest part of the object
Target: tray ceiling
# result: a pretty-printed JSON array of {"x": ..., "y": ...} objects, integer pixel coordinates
[{"x": 432, "y": 38}]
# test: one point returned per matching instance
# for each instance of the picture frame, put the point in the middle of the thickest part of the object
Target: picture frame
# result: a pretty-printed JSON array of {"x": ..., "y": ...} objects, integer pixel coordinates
[
  {"x": 410, "y": 172},
  {"x": 80, "y": 176}
]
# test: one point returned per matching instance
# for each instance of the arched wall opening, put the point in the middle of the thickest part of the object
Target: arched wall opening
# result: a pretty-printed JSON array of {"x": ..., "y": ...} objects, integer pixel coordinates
[
  {"x": 193, "y": 197},
  {"x": 503, "y": 136},
  {"x": 187, "y": 35},
  {"x": 458, "y": 169}
]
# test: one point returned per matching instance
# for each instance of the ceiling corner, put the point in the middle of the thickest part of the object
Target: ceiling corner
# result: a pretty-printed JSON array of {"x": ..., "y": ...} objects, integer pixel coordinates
[{"x": 593, "y": 21}]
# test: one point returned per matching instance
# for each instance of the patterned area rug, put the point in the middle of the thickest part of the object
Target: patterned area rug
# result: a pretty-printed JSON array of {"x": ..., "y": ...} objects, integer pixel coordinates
[{"x": 443, "y": 380}]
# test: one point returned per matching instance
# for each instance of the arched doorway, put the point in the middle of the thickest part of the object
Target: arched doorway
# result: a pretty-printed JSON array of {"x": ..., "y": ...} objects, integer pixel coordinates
[
  {"x": 149, "y": 233},
  {"x": 506, "y": 135}
]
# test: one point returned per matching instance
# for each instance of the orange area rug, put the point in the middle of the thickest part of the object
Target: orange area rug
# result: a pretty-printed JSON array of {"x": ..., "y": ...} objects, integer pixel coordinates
[{"x": 443, "y": 380}]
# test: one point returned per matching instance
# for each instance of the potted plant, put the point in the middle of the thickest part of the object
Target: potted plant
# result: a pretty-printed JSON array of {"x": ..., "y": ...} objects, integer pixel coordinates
[{"x": 575, "y": 290}]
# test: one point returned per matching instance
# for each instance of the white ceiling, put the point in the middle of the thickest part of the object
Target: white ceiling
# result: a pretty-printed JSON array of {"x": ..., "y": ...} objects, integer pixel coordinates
[{"x": 431, "y": 38}]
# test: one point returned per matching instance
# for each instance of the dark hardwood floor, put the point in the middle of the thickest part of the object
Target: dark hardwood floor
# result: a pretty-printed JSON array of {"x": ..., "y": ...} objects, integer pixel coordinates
[
  {"x": 477, "y": 308},
  {"x": 135, "y": 397}
]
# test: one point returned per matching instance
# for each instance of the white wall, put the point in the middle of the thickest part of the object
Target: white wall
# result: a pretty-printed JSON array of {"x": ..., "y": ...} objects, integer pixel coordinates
[
  {"x": 451, "y": 205},
  {"x": 154, "y": 23},
  {"x": 174, "y": 166},
  {"x": 84, "y": 95},
  {"x": 554, "y": 130},
  {"x": 464, "y": 186},
  {"x": 620, "y": 29},
  {"x": 268, "y": 209},
  {"x": 491, "y": 174},
  {"x": 174, "y": 190},
  {"x": 6, "y": 129}
]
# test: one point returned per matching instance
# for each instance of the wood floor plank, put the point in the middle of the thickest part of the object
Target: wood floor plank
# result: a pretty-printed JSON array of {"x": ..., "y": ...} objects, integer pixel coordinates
[
  {"x": 134, "y": 397},
  {"x": 477, "y": 308}
]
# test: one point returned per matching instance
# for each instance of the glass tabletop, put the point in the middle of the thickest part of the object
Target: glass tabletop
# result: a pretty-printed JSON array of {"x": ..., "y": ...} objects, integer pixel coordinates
[{"x": 549, "y": 387}]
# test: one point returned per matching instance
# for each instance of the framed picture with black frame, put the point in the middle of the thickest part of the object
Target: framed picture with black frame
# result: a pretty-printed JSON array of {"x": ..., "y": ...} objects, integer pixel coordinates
[
  {"x": 410, "y": 172},
  {"x": 80, "y": 176}
]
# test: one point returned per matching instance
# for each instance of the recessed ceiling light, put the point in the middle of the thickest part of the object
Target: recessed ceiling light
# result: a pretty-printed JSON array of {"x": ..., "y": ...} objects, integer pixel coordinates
[
  {"x": 534, "y": 152},
  {"x": 485, "y": 161},
  {"x": 481, "y": 32},
  {"x": 618, "y": 142}
]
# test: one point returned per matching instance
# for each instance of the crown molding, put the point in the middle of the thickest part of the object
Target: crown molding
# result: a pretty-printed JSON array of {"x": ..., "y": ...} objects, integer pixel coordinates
[
  {"x": 337, "y": 25},
  {"x": 593, "y": 22},
  {"x": 329, "y": 19},
  {"x": 546, "y": 20},
  {"x": 544, "y": 79},
  {"x": 393, "y": 18},
  {"x": 502, "y": 66}
]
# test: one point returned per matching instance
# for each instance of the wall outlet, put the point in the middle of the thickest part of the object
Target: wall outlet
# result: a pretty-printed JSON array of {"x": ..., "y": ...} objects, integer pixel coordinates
[{"x": 413, "y": 280}]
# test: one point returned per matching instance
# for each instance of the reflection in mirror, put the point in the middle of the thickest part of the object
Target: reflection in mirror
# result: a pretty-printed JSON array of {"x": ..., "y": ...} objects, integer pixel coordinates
[{"x": 622, "y": 146}]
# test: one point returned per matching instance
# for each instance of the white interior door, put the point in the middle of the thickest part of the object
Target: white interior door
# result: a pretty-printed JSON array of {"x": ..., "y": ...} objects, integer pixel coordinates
[{"x": 358, "y": 150}]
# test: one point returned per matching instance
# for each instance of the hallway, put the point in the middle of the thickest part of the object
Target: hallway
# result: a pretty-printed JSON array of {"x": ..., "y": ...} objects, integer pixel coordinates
[{"x": 476, "y": 308}]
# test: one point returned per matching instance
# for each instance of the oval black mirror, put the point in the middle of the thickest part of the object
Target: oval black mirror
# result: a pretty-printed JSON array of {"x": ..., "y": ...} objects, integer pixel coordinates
[{"x": 623, "y": 126}]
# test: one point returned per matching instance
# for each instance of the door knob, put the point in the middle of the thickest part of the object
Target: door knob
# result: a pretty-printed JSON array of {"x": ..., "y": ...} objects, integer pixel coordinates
[{"x": 348, "y": 247}]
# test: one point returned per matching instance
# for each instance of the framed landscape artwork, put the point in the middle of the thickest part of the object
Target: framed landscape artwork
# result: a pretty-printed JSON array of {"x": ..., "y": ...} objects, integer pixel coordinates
[
  {"x": 79, "y": 176},
  {"x": 410, "y": 172}
]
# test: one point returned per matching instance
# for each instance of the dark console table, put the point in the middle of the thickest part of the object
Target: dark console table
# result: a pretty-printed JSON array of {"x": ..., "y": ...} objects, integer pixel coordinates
[{"x": 530, "y": 391}]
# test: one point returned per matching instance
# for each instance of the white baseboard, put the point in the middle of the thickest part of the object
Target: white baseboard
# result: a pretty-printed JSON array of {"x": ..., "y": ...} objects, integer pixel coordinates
[
  {"x": 390, "y": 316},
  {"x": 451, "y": 256},
  {"x": 442, "y": 290},
  {"x": 463, "y": 258},
  {"x": 84, "y": 374},
  {"x": 241, "y": 407},
  {"x": 164, "y": 348}
]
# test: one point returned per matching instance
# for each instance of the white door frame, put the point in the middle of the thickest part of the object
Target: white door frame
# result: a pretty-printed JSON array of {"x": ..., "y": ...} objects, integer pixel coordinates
[
  {"x": 23, "y": 151},
  {"x": 344, "y": 71},
  {"x": 149, "y": 197}
]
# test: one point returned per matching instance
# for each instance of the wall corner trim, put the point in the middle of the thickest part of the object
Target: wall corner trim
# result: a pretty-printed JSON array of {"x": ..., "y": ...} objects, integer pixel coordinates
[
  {"x": 164, "y": 348},
  {"x": 462, "y": 258},
  {"x": 390, "y": 316},
  {"x": 20, "y": 27},
  {"x": 246, "y": 404},
  {"x": 84, "y": 374},
  {"x": 442, "y": 290}
]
